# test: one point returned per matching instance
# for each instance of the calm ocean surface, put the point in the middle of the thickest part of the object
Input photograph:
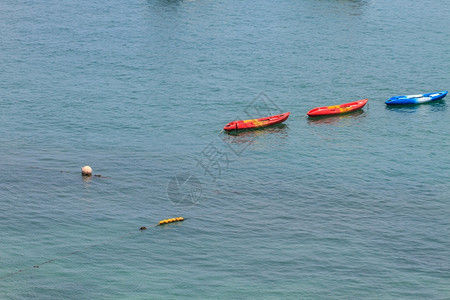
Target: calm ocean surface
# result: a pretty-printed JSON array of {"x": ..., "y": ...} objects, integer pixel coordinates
[{"x": 350, "y": 207}]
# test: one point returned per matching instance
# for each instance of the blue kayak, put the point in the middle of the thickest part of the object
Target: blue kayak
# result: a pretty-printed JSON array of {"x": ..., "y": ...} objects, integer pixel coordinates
[{"x": 416, "y": 99}]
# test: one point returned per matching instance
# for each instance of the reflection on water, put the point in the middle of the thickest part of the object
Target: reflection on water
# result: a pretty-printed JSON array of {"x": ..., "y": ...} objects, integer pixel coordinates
[
  {"x": 433, "y": 106},
  {"x": 344, "y": 119},
  {"x": 348, "y": 7},
  {"x": 251, "y": 135},
  {"x": 169, "y": 2},
  {"x": 336, "y": 129},
  {"x": 86, "y": 179},
  {"x": 277, "y": 128}
]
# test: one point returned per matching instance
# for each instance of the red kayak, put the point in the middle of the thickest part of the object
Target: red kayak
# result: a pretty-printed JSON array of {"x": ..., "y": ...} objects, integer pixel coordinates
[
  {"x": 337, "y": 109},
  {"x": 256, "y": 123}
]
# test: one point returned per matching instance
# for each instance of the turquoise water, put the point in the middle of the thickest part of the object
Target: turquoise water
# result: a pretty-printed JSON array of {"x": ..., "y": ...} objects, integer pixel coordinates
[{"x": 349, "y": 207}]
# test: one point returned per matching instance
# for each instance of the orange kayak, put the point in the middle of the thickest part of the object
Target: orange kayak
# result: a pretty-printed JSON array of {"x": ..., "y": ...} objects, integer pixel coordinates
[
  {"x": 337, "y": 109},
  {"x": 256, "y": 123}
]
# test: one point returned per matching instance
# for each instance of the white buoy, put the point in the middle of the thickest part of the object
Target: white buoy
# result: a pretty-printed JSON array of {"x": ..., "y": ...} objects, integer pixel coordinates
[{"x": 86, "y": 171}]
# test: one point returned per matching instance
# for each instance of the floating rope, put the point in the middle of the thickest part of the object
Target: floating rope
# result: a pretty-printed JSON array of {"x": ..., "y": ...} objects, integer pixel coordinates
[
  {"x": 162, "y": 222},
  {"x": 167, "y": 221}
]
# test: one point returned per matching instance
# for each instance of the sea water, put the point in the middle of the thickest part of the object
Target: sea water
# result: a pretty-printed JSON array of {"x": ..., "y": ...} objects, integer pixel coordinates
[{"x": 347, "y": 207}]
